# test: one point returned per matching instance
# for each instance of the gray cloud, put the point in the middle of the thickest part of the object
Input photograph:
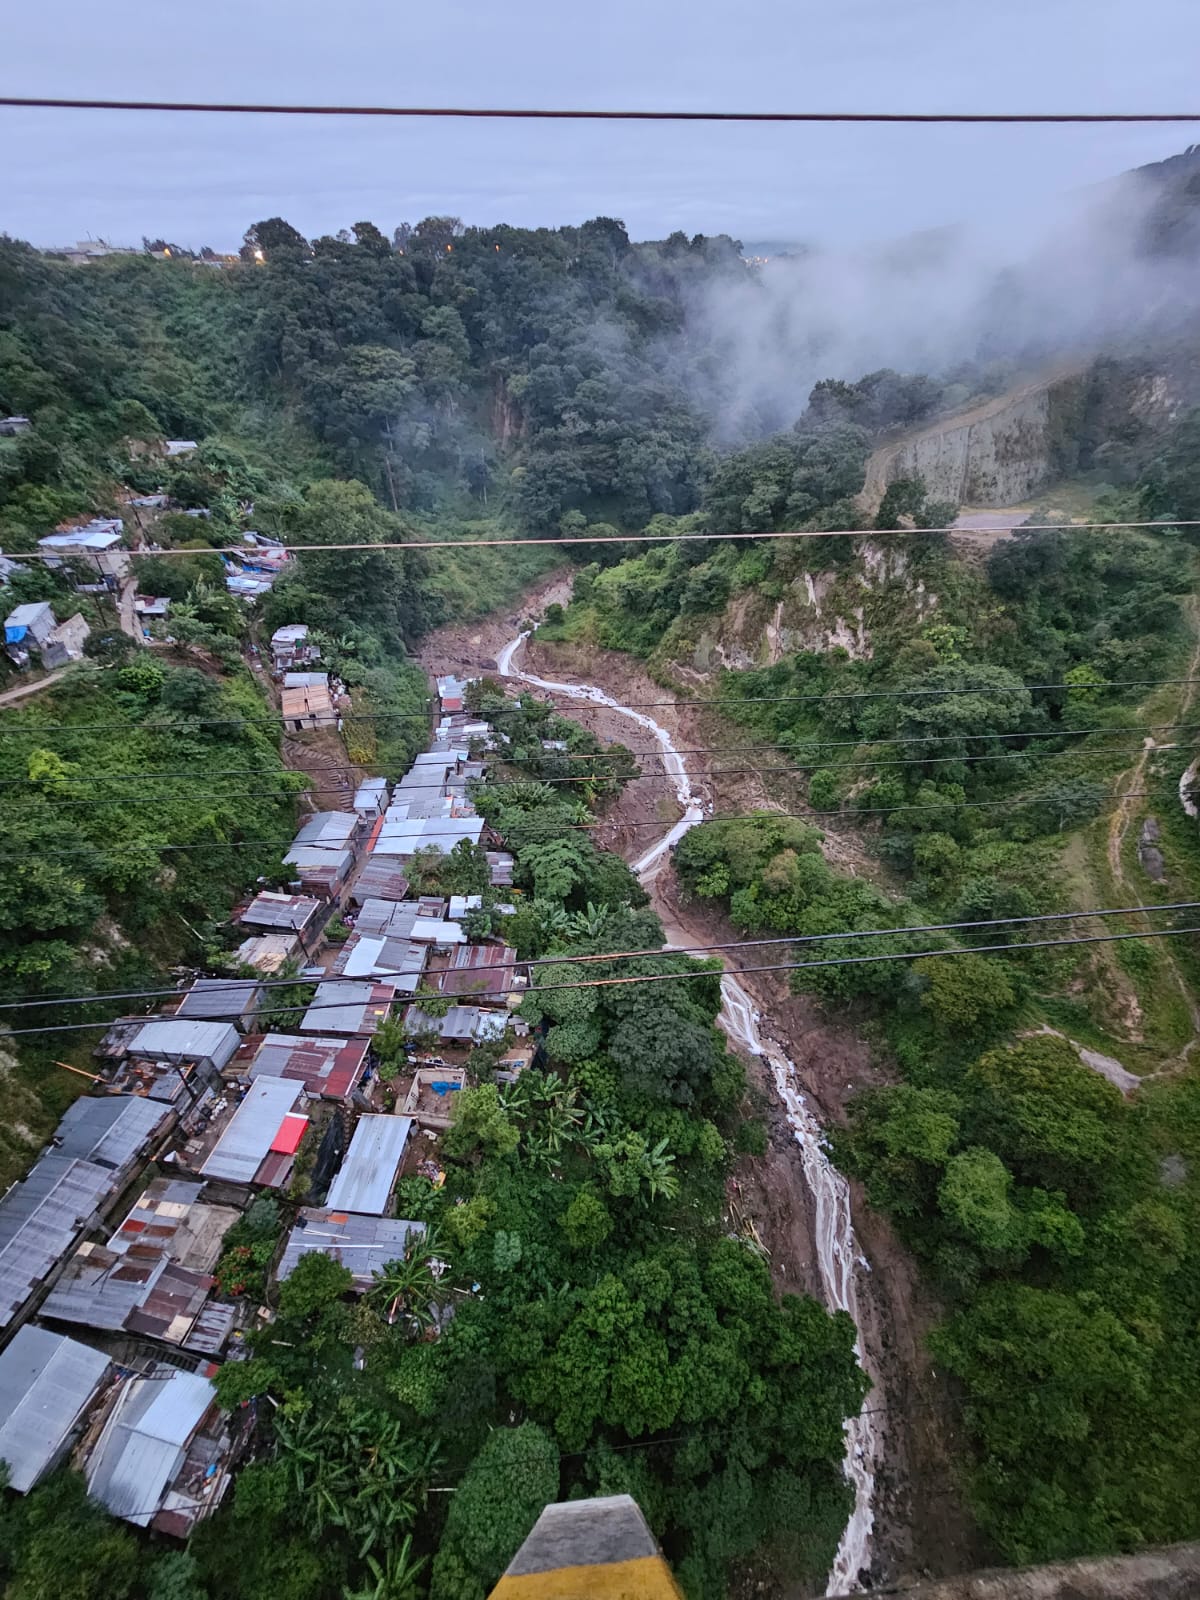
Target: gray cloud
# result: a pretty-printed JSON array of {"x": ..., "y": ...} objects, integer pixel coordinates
[{"x": 201, "y": 180}]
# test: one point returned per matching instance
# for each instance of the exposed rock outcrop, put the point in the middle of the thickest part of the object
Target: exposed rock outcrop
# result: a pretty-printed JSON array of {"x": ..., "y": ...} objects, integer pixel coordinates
[{"x": 995, "y": 454}]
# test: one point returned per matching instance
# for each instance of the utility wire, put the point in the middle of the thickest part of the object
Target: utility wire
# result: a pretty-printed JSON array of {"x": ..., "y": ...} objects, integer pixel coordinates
[
  {"x": 847, "y": 815},
  {"x": 239, "y": 984},
  {"x": 643, "y": 538},
  {"x": 640, "y": 774},
  {"x": 700, "y": 972},
  {"x": 581, "y": 114},
  {"x": 728, "y": 703},
  {"x": 656, "y": 751}
]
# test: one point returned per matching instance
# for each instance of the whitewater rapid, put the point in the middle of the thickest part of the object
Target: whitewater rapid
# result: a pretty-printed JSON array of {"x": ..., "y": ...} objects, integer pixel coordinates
[{"x": 837, "y": 1250}]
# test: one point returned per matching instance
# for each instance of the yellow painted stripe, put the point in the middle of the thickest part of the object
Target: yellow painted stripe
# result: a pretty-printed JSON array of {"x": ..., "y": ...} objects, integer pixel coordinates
[{"x": 647, "y": 1578}]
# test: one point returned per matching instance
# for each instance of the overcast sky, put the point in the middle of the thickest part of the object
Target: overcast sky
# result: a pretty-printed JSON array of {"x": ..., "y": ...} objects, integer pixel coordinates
[{"x": 202, "y": 180}]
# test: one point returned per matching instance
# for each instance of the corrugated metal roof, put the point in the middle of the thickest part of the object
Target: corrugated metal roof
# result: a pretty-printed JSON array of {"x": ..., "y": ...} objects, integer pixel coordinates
[
  {"x": 482, "y": 970},
  {"x": 364, "y": 1244},
  {"x": 211, "y": 1328},
  {"x": 403, "y": 961},
  {"x": 111, "y": 1130},
  {"x": 218, "y": 999},
  {"x": 500, "y": 868},
  {"x": 171, "y": 1213},
  {"x": 380, "y": 879},
  {"x": 292, "y": 911},
  {"x": 267, "y": 953},
  {"x": 306, "y": 680},
  {"x": 385, "y": 918},
  {"x": 290, "y": 1134},
  {"x": 371, "y": 795},
  {"x": 40, "y": 1219},
  {"x": 364, "y": 1183},
  {"x": 185, "y": 1040},
  {"x": 348, "y": 1007},
  {"x": 142, "y": 1445},
  {"x": 328, "y": 830},
  {"x": 304, "y": 704},
  {"x": 326, "y": 1067},
  {"x": 25, "y": 616},
  {"x": 46, "y": 1381},
  {"x": 142, "y": 1291},
  {"x": 325, "y": 866},
  {"x": 247, "y": 1136},
  {"x": 460, "y": 1025}
]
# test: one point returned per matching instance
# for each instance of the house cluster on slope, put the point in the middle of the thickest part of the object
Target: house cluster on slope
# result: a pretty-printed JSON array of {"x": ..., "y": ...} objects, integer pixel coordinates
[
  {"x": 113, "y": 1320},
  {"x": 96, "y": 557}
]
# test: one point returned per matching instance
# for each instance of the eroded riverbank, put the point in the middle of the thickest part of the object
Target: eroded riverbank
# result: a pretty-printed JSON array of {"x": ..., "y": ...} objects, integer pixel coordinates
[
  {"x": 837, "y": 1252},
  {"x": 908, "y": 1517}
]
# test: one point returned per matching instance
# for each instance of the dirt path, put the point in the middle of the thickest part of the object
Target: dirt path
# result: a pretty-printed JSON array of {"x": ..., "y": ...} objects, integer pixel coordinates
[
  {"x": 24, "y": 690},
  {"x": 1129, "y": 806}
]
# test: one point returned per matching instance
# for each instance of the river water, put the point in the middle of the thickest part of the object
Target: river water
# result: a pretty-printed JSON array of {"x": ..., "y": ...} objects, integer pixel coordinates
[{"x": 836, "y": 1248}]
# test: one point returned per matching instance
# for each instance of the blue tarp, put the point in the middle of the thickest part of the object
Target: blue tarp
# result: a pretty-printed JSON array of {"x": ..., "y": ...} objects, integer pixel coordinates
[
  {"x": 16, "y": 634},
  {"x": 445, "y": 1088}
]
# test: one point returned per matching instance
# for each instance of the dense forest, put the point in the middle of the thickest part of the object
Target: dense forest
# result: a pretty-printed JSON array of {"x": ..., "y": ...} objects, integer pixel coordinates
[{"x": 965, "y": 729}]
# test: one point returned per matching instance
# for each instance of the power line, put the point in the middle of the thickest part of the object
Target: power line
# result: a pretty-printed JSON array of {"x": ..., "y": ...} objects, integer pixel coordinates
[
  {"x": 40, "y": 729},
  {"x": 640, "y": 774},
  {"x": 683, "y": 977},
  {"x": 847, "y": 815},
  {"x": 646, "y": 538},
  {"x": 656, "y": 751},
  {"x": 592, "y": 959},
  {"x": 594, "y": 114}
]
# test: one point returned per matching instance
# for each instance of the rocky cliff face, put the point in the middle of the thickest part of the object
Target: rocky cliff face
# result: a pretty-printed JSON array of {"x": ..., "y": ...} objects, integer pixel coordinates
[
  {"x": 996, "y": 454},
  {"x": 837, "y": 609}
]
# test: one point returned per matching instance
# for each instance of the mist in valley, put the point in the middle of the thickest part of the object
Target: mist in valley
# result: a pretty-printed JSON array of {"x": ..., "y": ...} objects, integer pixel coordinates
[{"x": 1108, "y": 271}]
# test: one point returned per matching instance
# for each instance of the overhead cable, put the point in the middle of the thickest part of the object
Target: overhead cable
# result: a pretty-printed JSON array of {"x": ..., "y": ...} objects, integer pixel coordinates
[
  {"x": 701, "y": 972},
  {"x": 583, "y": 114},
  {"x": 728, "y": 703},
  {"x": 655, "y": 750},
  {"x": 238, "y": 985},
  {"x": 647, "y": 538},
  {"x": 846, "y": 815},
  {"x": 605, "y": 777}
]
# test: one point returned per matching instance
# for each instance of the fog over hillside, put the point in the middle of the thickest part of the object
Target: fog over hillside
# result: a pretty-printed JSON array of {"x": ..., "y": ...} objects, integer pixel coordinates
[{"x": 1110, "y": 269}]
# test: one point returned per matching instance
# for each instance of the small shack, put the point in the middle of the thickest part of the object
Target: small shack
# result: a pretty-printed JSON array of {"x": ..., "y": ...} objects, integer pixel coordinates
[
  {"x": 348, "y": 1007},
  {"x": 268, "y": 953},
  {"x": 322, "y": 872},
  {"x": 209, "y": 1045},
  {"x": 293, "y": 913},
  {"x": 307, "y": 708},
  {"x": 233, "y": 1000},
  {"x": 327, "y": 1068},
  {"x": 163, "y": 1458},
  {"x": 66, "y": 641},
  {"x": 290, "y": 647},
  {"x": 371, "y": 798}
]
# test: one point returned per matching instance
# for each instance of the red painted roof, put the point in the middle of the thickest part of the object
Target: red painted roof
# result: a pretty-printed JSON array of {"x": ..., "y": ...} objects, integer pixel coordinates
[{"x": 291, "y": 1131}]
